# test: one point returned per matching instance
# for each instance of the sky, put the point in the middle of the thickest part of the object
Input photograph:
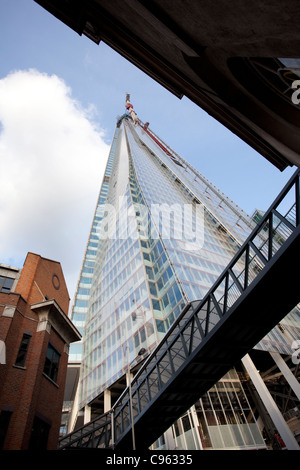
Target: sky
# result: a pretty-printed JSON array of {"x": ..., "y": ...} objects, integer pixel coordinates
[{"x": 60, "y": 96}]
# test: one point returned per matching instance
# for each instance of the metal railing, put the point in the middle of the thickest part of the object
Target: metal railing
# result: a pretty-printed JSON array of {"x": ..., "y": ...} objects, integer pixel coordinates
[
  {"x": 196, "y": 322},
  {"x": 95, "y": 434}
]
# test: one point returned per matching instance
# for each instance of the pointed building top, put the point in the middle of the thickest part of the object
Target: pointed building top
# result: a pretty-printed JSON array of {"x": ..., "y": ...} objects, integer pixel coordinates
[{"x": 129, "y": 108}]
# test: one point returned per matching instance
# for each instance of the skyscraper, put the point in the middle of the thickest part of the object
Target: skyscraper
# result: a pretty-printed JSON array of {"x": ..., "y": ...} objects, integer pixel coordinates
[{"x": 161, "y": 235}]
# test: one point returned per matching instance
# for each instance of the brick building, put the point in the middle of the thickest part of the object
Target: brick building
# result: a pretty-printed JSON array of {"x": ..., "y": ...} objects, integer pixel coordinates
[{"x": 35, "y": 333}]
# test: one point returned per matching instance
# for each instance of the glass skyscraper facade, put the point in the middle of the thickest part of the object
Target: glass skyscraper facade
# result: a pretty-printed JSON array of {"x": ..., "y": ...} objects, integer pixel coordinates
[{"x": 161, "y": 235}]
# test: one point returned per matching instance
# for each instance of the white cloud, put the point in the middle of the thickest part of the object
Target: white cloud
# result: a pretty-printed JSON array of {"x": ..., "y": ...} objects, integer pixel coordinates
[{"x": 52, "y": 158}]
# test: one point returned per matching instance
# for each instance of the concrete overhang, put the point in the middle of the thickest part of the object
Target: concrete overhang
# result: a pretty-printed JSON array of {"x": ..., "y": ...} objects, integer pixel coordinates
[{"x": 51, "y": 315}]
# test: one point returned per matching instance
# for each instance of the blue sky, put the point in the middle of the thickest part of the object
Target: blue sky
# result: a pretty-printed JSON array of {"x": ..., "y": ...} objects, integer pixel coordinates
[{"x": 60, "y": 95}]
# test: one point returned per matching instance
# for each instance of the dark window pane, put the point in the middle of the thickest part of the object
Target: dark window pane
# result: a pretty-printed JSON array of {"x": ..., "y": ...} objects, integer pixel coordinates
[
  {"x": 5, "y": 284},
  {"x": 51, "y": 363},
  {"x": 23, "y": 350},
  {"x": 4, "y": 423},
  {"x": 39, "y": 435}
]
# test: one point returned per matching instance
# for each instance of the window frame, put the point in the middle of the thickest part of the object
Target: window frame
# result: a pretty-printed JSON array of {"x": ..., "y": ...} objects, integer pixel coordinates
[
  {"x": 23, "y": 350},
  {"x": 51, "y": 365},
  {"x": 3, "y": 280}
]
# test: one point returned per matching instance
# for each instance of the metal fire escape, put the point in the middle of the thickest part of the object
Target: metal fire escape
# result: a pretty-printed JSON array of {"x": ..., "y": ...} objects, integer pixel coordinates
[{"x": 257, "y": 289}]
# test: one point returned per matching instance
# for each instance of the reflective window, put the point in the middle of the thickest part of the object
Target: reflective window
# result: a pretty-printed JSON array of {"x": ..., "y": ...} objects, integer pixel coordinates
[
  {"x": 51, "y": 363},
  {"x": 23, "y": 350},
  {"x": 6, "y": 284}
]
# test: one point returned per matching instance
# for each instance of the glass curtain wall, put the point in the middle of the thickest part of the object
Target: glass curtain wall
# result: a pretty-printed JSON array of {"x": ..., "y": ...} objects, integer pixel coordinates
[
  {"x": 151, "y": 260},
  {"x": 222, "y": 419},
  {"x": 226, "y": 420},
  {"x": 143, "y": 262},
  {"x": 196, "y": 243},
  {"x": 82, "y": 294},
  {"x": 161, "y": 235}
]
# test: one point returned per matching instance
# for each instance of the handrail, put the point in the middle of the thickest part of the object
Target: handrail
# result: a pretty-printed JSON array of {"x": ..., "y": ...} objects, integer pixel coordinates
[
  {"x": 198, "y": 318},
  {"x": 86, "y": 434},
  {"x": 235, "y": 279},
  {"x": 293, "y": 180}
]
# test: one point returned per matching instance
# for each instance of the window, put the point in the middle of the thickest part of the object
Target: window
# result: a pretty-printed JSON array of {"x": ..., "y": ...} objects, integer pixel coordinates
[
  {"x": 6, "y": 284},
  {"x": 23, "y": 350},
  {"x": 51, "y": 363},
  {"x": 81, "y": 303}
]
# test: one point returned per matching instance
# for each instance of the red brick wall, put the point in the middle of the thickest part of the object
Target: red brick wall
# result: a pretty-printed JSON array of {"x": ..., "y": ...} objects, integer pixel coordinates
[
  {"x": 42, "y": 278},
  {"x": 15, "y": 390},
  {"x": 27, "y": 390},
  {"x": 43, "y": 396},
  {"x": 26, "y": 279}
]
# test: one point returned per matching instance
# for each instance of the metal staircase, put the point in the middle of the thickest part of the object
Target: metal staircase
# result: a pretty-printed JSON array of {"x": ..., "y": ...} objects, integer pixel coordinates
[{"x": 257, "y": 289}]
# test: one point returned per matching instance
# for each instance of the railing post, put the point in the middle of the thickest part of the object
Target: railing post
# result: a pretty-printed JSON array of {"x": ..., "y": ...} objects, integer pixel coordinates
[
  {"x": 112, "y": 424},
  {"x": 246, "y": 278},
  {"x": 225, "y": 292},
  {"x": 207, "y": 315},
  {"x": 270, "y": 241},
  {"x": 297, "y": 198},
  {"x": 131, "y": 410}
]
